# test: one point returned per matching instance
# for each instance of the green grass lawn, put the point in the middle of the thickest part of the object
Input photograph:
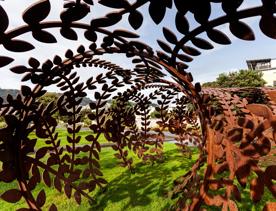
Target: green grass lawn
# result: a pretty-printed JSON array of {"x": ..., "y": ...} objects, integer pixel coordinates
[
  {"x": 144, "y": 190},
  {"x": 62, "y": 135}
]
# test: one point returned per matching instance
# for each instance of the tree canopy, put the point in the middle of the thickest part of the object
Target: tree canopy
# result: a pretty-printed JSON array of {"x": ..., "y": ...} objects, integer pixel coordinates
[
  {"x": 48, "y": 98},
  {"x": 241, "y": 78}
]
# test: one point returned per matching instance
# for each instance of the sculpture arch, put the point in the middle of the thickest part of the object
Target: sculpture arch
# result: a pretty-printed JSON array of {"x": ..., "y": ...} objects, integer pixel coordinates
[{"x": 232, "y": 137}]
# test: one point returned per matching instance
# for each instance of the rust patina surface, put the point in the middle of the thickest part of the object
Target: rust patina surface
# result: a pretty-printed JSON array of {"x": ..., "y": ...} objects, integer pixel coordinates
[{"x": 233, "y": 133}]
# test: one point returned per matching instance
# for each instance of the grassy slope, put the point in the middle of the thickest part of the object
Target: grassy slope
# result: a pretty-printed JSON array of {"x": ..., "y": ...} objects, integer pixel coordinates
[{"x": 144, "y": 190}]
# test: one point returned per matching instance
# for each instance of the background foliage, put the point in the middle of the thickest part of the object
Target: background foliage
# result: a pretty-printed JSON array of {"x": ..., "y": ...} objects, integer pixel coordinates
[{"x": 241, "y": 78}]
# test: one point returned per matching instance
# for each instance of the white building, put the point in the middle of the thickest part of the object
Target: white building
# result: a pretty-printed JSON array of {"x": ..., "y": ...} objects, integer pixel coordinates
[{"x": 267, "y": 67}]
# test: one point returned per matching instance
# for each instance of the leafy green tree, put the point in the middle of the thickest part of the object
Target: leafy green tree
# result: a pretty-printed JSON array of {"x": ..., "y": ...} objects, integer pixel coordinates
[
  {"x": 48, "y": 98},
  {"x": 154, "y": 114},
  {"x": 241, "y": 78},
  {"x": 113, "y": 104},
  {"x": 2, "y": 122},
  {"x": 84, "y": 116},
  {"x": 212, "y": 84}
]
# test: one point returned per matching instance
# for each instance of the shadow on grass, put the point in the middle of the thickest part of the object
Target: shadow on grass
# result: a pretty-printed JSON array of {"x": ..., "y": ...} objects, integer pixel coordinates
[{"x": 150, "y": 182}]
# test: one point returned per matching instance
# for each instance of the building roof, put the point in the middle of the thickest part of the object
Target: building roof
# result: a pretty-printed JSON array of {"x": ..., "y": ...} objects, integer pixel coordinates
[
  {"x": 259, "y": 64},
  {"x": 258, "y": 60}
]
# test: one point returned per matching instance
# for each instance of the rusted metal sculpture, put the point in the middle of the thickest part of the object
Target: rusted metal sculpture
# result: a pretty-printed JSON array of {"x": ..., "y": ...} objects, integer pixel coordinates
[{"x": 231, "y": 134}]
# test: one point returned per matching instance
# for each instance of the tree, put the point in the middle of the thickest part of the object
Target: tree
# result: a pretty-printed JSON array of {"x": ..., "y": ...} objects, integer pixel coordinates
[
  {"x": 210, "y": 84},
  {"x": 48, "y": 98},
  {"x": 114, "y": 102},
  {"x": 154, "y": 114},
  {"x": 241, "y": 78},
  {"x": 84, "y": 116}
]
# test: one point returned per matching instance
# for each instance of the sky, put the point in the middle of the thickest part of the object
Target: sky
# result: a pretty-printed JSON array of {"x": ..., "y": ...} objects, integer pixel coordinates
[{"x": 205, "y": 67}]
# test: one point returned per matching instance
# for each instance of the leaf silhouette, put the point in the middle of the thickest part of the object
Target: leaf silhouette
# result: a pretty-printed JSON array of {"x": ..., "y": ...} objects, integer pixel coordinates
[
  {"x": 44, "y": 36},
  {"x": 181, "y": 23},
  {"x": 34, "y": 63},
  {"x": 89, "y": 2},
  {"x": 41, "y": 152},
  {"x": 37, "y": 12},
  {"x": 191, "y": 51},
  {"x": 201, "y": 43},
  {"x": 230, "y": 6},
  {"x": 47, "y": 178},
  {"x": 69, "y": 54},
  {"x": 68, "y": 33},
  {"x": 242, "y": 30},
  {"x": 4, "y": 20},
  {"x": 68, "y": 190},
  {"x": 57, "y": 60},
  {"x": 236, "y": 193},
  {"x": 181, "y": 7},
  {"x": 12, "y": 196},
  {"x": 97, "y": 95},
  {"x": 90, "y": 35},
  {"x": 27, "y": 77},
  {"x": 271, "y": 172},
  {"x": 109, "y": 20},
  {"x": 268, "y": 26},
  {"x": 57, "y": 184},
  {"x": 77, "y": 197},
  {"x": 103, "y": 181},
  {"x": 4, "y": 60},
  {"x": 184, "y": 58},
  {"x": 169, "y": 35},
  {"x": 41, "y": 198},
  {"x": 53, "y": 208},
  {"x": 19, "y": 69},
  {"x": 18, "y": 46},
  {"x": 256, "y": 189},
  {"x": 164, "y": 46},
  {"x": 74, "y": 13},
  {"x": 157, "y": 10},
  {"x": 135, "y": 19},
  {"x": 203, "y": 12},
  {"x": 117, "y": 4},
  {"x": 25, "y": 90},
  {"x": 218, "y": 37}
]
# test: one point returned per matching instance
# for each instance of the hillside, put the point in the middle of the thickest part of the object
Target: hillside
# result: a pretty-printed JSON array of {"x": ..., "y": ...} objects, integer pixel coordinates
[{"x": 13, "y": 92}]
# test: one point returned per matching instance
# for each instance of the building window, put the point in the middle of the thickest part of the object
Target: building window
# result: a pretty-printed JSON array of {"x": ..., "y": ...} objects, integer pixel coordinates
[
  {"x": 274, "y": 83},
  {"x": 261, "y": 64}
]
